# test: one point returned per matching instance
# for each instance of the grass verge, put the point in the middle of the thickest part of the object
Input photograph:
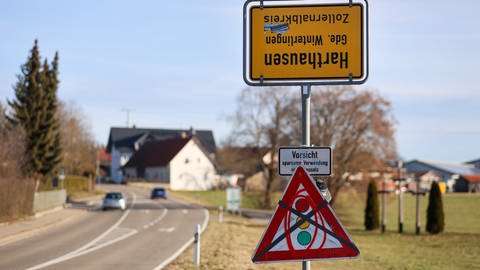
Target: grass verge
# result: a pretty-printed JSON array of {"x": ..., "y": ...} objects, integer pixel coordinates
[{"x": 229, "y": 245}]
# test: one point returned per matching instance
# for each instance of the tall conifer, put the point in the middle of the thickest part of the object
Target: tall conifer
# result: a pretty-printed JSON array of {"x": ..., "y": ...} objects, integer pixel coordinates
[
  {"x": 372, "y": 219},
  {"x": 435, "y": 215},
  {"x": 34, "y": 109}
]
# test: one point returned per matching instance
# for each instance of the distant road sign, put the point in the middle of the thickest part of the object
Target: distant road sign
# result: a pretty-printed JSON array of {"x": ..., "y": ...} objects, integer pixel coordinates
[
  {"x": 233, "y": 199},
  {"x": 315, "y": 160},
  {"x": 305, "y": 42},
  {"x": 304, "y": 227}
]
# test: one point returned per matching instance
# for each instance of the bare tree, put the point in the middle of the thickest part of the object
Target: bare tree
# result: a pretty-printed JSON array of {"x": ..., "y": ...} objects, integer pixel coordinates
[
  {"x": 79, "y": 150},
  {"x": 359, "y": 125},
  {"x": 12, "y": 148},
  {"x": 261, "y": 121}
]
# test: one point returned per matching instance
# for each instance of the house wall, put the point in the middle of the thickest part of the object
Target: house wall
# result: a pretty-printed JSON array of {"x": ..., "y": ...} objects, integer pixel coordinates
[
  {"x": 160, "y": 174},
  {"x": 190, "y": 169},
  {"x": 448, "y": 178},
  {"x": 131, "y": 172},
  {"x": 118, "y": 160},
  {"x": 461, "y": 185}
]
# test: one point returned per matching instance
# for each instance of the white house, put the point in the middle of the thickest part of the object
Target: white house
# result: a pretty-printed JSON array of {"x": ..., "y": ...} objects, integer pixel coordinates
[
  {"x": 124, "y": 142},
  {"x": 184, "y": 163}
]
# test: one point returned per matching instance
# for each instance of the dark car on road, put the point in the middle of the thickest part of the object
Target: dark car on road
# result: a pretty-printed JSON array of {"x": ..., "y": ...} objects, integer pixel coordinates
[{"x": 158, "y": 192}]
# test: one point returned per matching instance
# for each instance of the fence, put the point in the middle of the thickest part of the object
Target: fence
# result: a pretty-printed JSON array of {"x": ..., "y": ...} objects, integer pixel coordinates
[{"x": 16, "y": 198}]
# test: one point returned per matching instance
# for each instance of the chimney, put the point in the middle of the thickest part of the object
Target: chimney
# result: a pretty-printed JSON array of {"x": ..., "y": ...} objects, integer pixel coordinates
[{"x": 192, "y": 131}]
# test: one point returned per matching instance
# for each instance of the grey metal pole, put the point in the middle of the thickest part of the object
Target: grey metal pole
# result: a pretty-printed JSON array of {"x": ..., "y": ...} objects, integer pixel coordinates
[
  {"x": 306, "y": 115},
  {"x": 400, "y": 198},
  {"x": 306, "y": 133},
  {"x": 384, "y": 205},
  {"x": 417, "y": 221}
]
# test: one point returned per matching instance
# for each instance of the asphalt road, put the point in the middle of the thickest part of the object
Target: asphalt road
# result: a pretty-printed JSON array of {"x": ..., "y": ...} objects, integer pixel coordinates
[{"x": 147, "y": 235}]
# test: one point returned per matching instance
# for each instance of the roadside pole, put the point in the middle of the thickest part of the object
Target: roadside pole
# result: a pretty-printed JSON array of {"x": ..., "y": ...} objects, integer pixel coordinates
[
  {"x": 400, "y": 197},
  {"x": 384, "y": 205},
  {"x": 417, "y": 220},
  {"x": 196, "y": 242},
  {"x": 305, "y": 91}
]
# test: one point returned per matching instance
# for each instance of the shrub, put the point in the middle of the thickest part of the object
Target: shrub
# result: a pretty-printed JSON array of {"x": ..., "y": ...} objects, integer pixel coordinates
[
  {"x": 372, "y": 219},
  {"x": 435, "y": 216},
  {"x": 76, "y": 184}
]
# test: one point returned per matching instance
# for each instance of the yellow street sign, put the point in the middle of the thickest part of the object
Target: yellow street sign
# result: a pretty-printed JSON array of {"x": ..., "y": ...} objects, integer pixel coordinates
[{"x": 305, "y": 42}]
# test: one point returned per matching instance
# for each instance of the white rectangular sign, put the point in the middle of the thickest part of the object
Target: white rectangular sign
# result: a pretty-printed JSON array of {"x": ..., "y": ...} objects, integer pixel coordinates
[
  {"x": 315, "y": 160},
  {"x": 233, "y": 199}
]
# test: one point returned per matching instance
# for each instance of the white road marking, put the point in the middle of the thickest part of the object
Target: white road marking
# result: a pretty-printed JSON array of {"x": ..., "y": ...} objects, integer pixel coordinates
[
  {"x": 167, "y": 230},
  {"x": 85, "y": 249},
  {"x": 185, "y": 211},
  {"x": 185, "y": 246},
  {"x": 146, "y": 226}
]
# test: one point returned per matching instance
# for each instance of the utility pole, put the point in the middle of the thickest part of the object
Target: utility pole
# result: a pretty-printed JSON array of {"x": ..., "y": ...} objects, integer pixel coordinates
[
  {"x": 417, "y": 219},
  {"x": 127, "y": 111},
  {"x": 384, "y": 206},
  {"x": 400, "y": 197}
]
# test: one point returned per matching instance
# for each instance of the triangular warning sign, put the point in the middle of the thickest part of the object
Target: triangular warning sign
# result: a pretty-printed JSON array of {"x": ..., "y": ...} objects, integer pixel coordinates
[{"x": 304, "y": 227}]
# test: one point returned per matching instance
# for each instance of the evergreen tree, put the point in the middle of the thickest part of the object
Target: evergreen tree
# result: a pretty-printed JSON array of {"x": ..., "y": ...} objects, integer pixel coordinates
[
  {"x": 372, "y": 217},
  {"x": 34, "y": 109},
  {"x": 435, "y": 216}
]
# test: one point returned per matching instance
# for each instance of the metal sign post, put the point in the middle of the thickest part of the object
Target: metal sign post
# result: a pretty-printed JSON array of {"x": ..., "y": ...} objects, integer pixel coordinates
[
  {"x": 309, "y": 42},
  {"x": 306, "y": 133}
]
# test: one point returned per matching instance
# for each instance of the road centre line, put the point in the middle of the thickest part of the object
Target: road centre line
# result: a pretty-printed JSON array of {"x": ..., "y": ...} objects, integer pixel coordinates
[
  {"x": 83, "y": 250},
  {"x": 186, "y": 245},
  {"x": 164, "y": 213}
]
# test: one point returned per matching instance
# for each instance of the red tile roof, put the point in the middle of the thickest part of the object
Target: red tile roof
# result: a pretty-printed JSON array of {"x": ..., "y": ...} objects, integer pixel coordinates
[
  {"x": 472, "y": 178},
  {"x": 157, "y": 153},
  {"x": 104, "y": 156}
]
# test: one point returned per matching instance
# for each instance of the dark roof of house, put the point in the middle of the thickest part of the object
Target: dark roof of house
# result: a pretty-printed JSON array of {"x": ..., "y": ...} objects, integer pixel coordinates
[
  {"x": 473, "y": 161},
  {"x": 157, "y": 153},
  {"x": 125, "y": 138},
  {"x": 447, "y": 167}
]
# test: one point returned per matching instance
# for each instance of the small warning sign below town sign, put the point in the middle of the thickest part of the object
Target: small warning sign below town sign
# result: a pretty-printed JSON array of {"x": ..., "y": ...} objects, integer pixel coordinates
[
  {"x": 304, "y": 227},
  {"x": 305, "y": 42},
  {"x": 315, "y": 160}
]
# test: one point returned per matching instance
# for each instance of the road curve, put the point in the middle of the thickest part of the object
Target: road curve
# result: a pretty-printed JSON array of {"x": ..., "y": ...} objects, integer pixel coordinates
[{"x": 148, "y": 235}]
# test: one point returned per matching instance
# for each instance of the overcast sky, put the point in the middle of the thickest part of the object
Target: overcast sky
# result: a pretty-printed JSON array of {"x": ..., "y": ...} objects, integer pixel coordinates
[{"x": 179, "y": 64}]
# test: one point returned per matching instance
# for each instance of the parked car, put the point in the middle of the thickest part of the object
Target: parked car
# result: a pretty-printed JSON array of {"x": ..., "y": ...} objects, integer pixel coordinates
[
  {"x": 114, "y": 200},
  {"x": 158, "y": 192}
]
